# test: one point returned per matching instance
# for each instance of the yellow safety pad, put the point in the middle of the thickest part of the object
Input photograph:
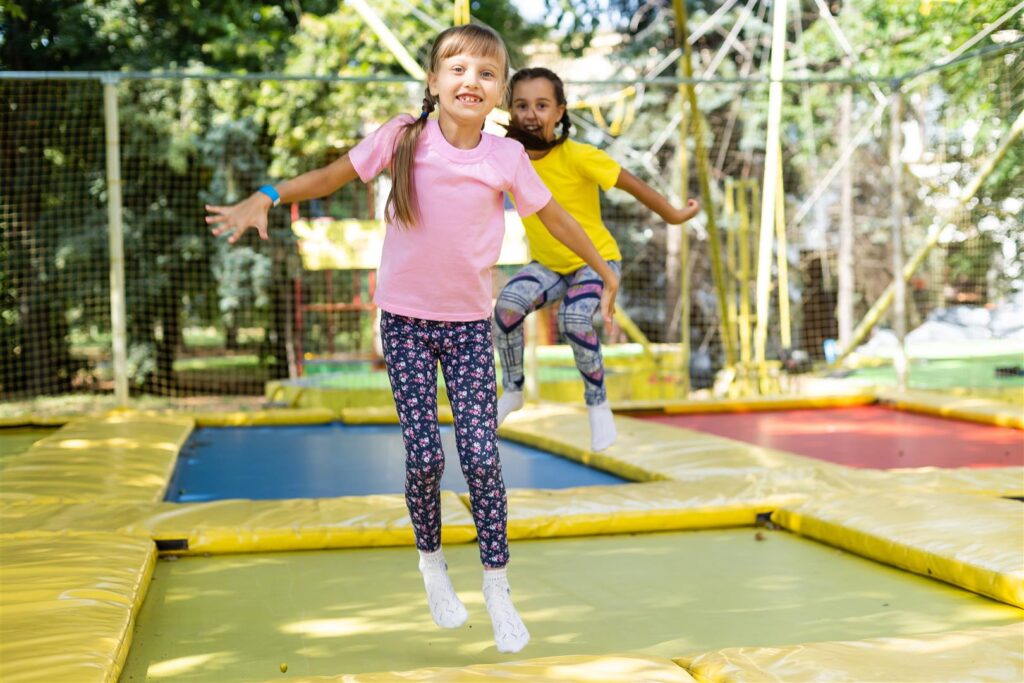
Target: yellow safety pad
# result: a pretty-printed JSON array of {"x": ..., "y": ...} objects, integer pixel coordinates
[
  {"x": 133, "y": 474},
  {"x": 981, "y": 410},
  {"x": 67, "y": 605},
  {"x": 36, "y": 518},
  {"x": 300, "y": 396},
  {"x": 985, "y": 654},
  {"x": 749, "y": 405},
  {"x": 235, "y": 526},
  {"x": 35, "y": 420},
  {"x": 702, "y": 503},
  {"x": 644, "y": 451},
  {"x": 569, "y": 669},
  {"x": 987, "y": 481},
  {"x": 119, "y": 457},
  {"x": 242, "y": 418},
  {"x": 386, "y": 415},
  {"x": 974, "y": 542},
  {"x": 121, "y": 432}
]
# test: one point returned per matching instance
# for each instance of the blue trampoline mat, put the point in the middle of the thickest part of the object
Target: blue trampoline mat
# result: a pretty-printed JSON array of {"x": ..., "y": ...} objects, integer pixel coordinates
[{"x": 327, "y": 461}]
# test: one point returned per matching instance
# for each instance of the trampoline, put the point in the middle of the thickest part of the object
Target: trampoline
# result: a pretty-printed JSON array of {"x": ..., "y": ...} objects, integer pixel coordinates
[
  {"x": 236, "y": 618},
  {"x": 331, "y": 460},
  {"x": 647, "y": 573},
  {"x": 14, "y": 440},
  {"x": 866, "y": 436}
]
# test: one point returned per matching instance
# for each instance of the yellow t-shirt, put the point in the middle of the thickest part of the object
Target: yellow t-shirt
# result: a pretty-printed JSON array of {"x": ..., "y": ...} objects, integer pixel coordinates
[{"x": 573, "y": 171}]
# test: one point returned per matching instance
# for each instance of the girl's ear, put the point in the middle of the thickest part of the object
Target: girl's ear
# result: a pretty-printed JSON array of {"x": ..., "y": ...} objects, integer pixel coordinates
[{"x": 432, "y": 84}]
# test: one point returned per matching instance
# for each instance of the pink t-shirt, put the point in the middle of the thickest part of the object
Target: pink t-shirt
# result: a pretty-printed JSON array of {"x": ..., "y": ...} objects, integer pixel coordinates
[{"x": 440, "y": 268}]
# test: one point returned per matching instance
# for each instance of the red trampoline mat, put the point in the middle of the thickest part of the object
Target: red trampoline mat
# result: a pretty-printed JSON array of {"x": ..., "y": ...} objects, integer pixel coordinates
[{"x": 869, "y": 436}]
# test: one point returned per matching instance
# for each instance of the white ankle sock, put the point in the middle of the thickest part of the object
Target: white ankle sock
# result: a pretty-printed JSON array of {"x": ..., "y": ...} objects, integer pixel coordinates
[
  {"x": 445, "y": 606},
  {"x": 510, "y": 634},
  {"x": 509, "y": 401},
  {"x": 602, "y": 426}
]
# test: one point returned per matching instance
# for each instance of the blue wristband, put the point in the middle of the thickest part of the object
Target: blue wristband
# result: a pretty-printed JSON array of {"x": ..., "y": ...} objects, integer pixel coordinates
[{"x": 269, "y": 190}]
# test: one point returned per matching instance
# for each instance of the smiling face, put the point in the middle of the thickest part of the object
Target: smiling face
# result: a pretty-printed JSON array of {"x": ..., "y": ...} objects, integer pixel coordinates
[
  {"x": 467, "y": 86},
  {"x": 535, "y": 107}
]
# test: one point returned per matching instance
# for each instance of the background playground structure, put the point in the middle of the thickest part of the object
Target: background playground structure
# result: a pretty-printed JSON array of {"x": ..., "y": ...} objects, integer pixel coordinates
[
  {"x": 190, "y": 317},
  {"x": 797, "y": 491}
]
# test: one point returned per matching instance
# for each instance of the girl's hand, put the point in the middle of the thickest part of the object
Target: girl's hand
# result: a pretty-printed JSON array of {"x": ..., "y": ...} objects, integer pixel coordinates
[
  {"x": 611, "y": 288},
  {"x": 683, "y": 215},
  {"x": 237, "y": 218}
]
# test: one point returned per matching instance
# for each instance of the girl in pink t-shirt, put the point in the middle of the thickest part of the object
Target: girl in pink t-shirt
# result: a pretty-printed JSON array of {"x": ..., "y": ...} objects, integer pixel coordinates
[{"x": 444, "y": 229}]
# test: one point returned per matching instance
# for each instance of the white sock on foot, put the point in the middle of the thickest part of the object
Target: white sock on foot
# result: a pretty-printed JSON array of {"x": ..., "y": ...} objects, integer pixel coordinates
[
  {"x": 510, "y": 634},
  {"x": 445, "y": 606},
  {"x": 602, "y": 426},
  {"x": 508, "y": 402}
]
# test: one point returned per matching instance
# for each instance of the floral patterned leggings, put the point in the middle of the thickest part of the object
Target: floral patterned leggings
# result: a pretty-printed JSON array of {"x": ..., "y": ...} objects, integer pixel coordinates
[{"x": 412, "y": 349}]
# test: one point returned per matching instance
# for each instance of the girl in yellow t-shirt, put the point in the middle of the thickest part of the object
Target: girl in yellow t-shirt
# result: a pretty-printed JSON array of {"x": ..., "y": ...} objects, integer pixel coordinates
[{"x": 573, "y": 172}]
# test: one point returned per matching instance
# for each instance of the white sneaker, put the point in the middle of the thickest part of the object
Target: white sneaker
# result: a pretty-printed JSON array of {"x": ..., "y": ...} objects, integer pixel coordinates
[
  {"x": 510, "y": 634},
  {"x": 445, "y": 606},
  {"x": 509, "y": 402},
  {"x": 602, "y": 426}
]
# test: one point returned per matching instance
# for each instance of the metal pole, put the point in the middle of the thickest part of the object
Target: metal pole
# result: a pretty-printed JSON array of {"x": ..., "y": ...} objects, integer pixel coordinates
[
  {"x": 782, "y": 258},
  {"x": 703, "y": 173},
  {"x": 115, "y": 236},
  {"x": 899, "y": 306},
  {"x": 844, "y": 305},
  {"x": 683, "y": 230},
  {"x": 883, "y": 302},
  {"x": 771, "y": 177}
]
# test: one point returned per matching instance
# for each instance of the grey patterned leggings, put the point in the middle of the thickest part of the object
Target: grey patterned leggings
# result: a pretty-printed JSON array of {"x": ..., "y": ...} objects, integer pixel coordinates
[{"x": 535, "y": 287}]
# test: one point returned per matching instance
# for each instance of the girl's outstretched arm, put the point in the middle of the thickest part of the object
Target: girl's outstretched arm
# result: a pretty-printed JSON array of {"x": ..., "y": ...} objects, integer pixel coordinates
[
  {"x": 252, "y": 211},
  {"x": 654, "y": 201},
  {"x": 567, "y": 230}
]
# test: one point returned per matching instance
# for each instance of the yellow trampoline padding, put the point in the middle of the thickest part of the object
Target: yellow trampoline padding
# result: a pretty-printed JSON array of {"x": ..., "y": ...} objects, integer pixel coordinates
[
  {"x": 981, "y": 410},
  {"x": 133, "y": 474},
  {"x": 234, "y": 526},
  {"x": 644, "y": 451},
  {"x": 299, "y": 396},
  {"x": 386, "y": 415},
  {"x": 704, "y": 503},
  {"x": 244, "y": 418},
  {"x": 987, "y": 481},
  {"x": 985, "y": 654},
  {"x": 568, "y": 669},
  {"x": 974, "y": 542},
  {"x": 67, "y": 605},
  {"x": 118, "y": 457},
  {"x": 122, "y": 432},
  {"x": 35, "y": 420},
  {"x": 758, "y": 404}
]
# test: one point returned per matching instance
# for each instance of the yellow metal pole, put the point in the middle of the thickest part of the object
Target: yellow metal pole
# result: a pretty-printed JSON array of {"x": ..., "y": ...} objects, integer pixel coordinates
[
  {"x": 771, "y": 177},
  {"x": 684, "y": 238},
  {"x": 461, "y": 12},
  {"x": 744, "y": 275},
  {"x": 731, "y": 248},
  {"x": 785, "y": 324},
  {"x": 714, "y": 244}
]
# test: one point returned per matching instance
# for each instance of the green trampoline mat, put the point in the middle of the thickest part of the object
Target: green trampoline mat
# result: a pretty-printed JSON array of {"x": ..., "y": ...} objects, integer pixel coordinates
[
  {"x": 237, "y": 617},
  {"x": 949, "y": 373},
  {"x": 16, "y": 440}
]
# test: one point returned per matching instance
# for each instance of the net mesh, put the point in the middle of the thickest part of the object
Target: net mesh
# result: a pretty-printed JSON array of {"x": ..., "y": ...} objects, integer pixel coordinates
[{"x": 204, "y": 319}]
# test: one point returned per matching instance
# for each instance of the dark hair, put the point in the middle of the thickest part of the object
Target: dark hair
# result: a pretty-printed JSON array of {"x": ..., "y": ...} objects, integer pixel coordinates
[{"x": 529, "y": 140}]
